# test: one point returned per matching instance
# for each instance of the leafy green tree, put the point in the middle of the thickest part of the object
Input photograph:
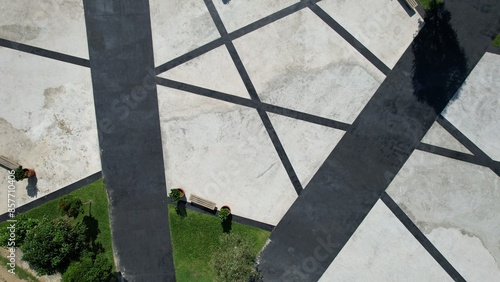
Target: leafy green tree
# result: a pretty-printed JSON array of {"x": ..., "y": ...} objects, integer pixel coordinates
[
  {"x": 23, "y": 225},
  {"x": 496, "y": 41},
  {"x": 91, "y": 267},
  {"x": 70, "y": 205},
  {"x": 4, "y": 237},
  {"x": 50, "y": 246},
  {"x": 234, "y": 261}
]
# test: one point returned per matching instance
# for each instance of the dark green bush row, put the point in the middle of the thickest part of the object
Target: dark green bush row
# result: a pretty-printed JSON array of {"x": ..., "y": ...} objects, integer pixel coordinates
[{"x": 58, "y": 245}]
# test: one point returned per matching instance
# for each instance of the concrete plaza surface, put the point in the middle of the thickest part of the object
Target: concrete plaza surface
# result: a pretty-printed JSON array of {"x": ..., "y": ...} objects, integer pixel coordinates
[
  {"x": 47, "y": 120},
  {"x": 47, "y": 123},
  {"x": 253, "y": 97},
  {"x": 455, "y": 203}
]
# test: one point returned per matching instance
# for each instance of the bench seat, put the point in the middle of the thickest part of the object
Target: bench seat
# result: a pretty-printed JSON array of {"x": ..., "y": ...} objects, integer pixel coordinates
[
  {"x": 202, "y": 202},
  {"x": 412, "y": 3},
  {"x": 7, "y": 163}
]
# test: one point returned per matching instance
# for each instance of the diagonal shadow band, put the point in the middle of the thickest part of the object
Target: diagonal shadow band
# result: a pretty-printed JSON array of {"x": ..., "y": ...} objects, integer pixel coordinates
[{"x": 357, "y": 172}]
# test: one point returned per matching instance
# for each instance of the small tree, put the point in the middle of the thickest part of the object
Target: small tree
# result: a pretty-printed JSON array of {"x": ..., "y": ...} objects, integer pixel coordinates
[
  {"x": 23, "y": 225},
  {"x": 70, "y": 205},
  {"x": 91, "y": 267},
  {"x": 176, "y": 195},
  {"x": 224, "y": 213},
  {"x": 20, "y": 173},
  {"x": 233, "y": 261},
  {"x": 50, "y": 246}
]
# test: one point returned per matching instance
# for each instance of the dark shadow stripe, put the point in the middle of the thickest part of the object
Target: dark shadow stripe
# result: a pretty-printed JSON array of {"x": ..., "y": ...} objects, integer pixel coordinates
[
  {"x": 459, "y": 136},
  {"x": 128, "y": 142},
  {"x": 254, "y": 96},
  {"x": 248, "y": 103},
  {"x": 253, "y": 223},
  {"x": 189, "y": 56},
  {"x": 350, "y": 39},
  {"x": 5, "y": 167},
  {"x": 44, "y": 53},
  {"x": 494, "y": 49},
  {"x": 451, "y": 154},
  {"x": 235, "y": 218},
  {"x": 242, "y": 71},
  {"x": 493, "y": 165},
  {"x": 420, "y": 10},
  {"x": 409, "y": 11},
  {"x": 305, "y": 117},
  {"x": 429, "y": 247},
  {"x": 267, "y": 20},
  {"x": 54, "y": 195},
  {"x": 356, "y": 173},
  {"x": 216, "y": 18},
  {"x": 252, "y": 104},
  {"x": 232, "y": 36},
  {"x": 281, "y": 152},
  {"x": 206, "y": 92}
]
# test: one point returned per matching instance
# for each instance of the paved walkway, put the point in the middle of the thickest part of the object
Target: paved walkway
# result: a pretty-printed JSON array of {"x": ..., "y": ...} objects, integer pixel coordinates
[
  {"x": 121, "y": 56},
  {"x": 261, "y": 48},
  {"x": 360, "y": 168}
]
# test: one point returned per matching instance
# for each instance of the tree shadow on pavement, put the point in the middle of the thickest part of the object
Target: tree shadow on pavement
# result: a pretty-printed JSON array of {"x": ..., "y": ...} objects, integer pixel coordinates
[
  {"x": 440, "y": 65},
  {"x": 32, "y": 189}
]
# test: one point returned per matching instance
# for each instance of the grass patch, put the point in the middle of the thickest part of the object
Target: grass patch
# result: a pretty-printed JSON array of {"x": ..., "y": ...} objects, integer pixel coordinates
[
  {"x": 496, "y": 41},
  {"x": 196, "y": 237},
  {"x": 95, "y": 203},
  {"x": 19, "y": 272},
  {"x": 427, "y": 3}
]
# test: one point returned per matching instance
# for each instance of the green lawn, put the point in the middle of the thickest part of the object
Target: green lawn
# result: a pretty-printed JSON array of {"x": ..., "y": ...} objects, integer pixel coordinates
[
  {"x": 426, "y": 3},
  {"x": 195, "y": 238},
  {"x": 496, "y": 42},
  {"x": 95, "y": 203}
]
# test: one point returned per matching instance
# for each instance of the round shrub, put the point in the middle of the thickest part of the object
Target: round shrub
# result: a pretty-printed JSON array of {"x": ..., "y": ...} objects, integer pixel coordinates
[
  {"x": 70, "y": 205},
  {"x": 175, "y": 195},
  {"x": 23, "y": 225},
  {"x": 50, "y": 246},
  {"x": 91, "y": 267},
  {"x": 224, "y": 213}
]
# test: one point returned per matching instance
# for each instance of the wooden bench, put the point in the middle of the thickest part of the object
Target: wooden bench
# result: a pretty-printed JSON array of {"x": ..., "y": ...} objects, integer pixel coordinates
[
  {"x": 412, "y": 3},
  {"x": 202, "y": 202},
  {"x": 7, "y": 163}
]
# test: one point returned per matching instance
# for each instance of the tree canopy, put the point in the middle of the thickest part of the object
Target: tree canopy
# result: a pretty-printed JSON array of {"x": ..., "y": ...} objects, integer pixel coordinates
[{"x": 50, "y": 246}]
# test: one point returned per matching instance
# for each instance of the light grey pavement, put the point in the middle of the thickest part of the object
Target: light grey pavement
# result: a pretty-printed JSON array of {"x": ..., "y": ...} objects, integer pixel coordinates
[{"x": 216, "y": 144}]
